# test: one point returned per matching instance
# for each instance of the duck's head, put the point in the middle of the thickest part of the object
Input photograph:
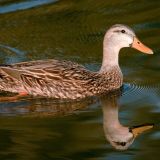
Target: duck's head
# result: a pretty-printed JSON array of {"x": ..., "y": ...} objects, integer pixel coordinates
[
  {"x": 123, "y": 137},
  {"x": 121, "y": 36}
]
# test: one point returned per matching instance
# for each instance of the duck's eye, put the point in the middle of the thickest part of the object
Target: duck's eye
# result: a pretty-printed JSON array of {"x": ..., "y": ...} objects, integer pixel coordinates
[
  {"x": 123, "y": 31},
  {"x": 122, "y": 143}
]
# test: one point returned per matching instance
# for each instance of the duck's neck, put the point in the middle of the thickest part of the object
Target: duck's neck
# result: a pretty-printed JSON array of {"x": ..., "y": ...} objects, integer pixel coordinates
[{"x": 110, "y": 56}]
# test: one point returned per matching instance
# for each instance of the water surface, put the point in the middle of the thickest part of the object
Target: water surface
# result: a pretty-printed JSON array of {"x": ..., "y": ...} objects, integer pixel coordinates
[{"x": 33, "y": 128}]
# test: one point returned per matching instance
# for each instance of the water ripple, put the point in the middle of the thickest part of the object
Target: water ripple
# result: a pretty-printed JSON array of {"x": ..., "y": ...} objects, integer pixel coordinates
[
  {"x": 130, "y": 89},
  {"x": 147, "y": 25},
  {"x": 20, "y": 55},
  {"x": 24, "y": 5}
]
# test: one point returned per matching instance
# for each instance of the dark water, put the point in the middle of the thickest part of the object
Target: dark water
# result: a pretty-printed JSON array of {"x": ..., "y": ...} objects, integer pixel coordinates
[{"x": 73, "y": 30}]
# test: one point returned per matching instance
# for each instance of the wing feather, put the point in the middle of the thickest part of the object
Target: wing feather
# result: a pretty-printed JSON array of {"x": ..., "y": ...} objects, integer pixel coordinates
[{"x": 42, "y": 73}]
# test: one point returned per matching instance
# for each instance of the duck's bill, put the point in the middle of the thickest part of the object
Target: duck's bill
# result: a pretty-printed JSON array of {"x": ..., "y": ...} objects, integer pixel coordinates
[
  {"x": 140, "y": 46},
  {"x": 137, "y": 130}
]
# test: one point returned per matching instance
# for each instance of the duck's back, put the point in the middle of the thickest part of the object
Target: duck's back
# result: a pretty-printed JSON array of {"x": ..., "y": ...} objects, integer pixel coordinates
[
  {"x": 51, "y": 78},
  {"x": 54, "y": 78}
]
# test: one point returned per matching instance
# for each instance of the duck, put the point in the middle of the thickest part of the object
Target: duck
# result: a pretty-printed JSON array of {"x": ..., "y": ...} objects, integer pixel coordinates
[
  {"x": 62, "y": 79},
  {"x": 119, "y": 136}
]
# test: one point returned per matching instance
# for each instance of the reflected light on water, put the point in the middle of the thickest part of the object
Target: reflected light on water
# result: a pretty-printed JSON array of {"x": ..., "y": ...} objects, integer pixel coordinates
[{"x": 24, "y": 5}]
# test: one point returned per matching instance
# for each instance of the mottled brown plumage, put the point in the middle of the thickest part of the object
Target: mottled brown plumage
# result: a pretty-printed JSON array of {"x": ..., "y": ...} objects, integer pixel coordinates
[
  {"x": 57, "y": 79},
  {"x": 68, "y": 80}
]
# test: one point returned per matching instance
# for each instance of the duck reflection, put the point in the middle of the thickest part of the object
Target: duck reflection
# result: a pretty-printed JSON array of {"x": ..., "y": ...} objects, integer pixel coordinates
[
  {"x": 119, "y": 136},
  {"x": 43, "y": 107}
]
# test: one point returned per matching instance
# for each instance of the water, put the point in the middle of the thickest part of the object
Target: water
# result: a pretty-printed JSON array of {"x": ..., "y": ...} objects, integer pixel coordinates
[{"x": 33, "y": 128}]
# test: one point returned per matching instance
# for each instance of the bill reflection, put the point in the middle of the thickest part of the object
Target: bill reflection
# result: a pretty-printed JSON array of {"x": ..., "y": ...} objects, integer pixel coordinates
[{"x": 118, "y": 135}]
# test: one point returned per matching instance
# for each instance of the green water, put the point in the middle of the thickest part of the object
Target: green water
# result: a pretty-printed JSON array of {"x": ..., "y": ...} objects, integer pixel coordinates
[{"x": 41, "y": 129}]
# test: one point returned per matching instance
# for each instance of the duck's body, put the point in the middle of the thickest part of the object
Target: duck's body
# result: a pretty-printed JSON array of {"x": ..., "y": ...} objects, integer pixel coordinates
[
  {"x": 68, "y": 80},
  {"x": 58, "y": 79}
]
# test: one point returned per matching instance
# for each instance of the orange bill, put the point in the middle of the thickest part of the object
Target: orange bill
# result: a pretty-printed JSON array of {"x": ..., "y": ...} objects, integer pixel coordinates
[
  {"x": 140, "y": 46},
  {"x": 137, "y": 130}
]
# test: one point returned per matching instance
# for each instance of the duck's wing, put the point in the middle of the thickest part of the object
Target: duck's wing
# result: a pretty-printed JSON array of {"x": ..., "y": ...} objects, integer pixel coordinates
[
  {"x": 45, "y": 63},
  {"x": 45, "y": 72}
]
